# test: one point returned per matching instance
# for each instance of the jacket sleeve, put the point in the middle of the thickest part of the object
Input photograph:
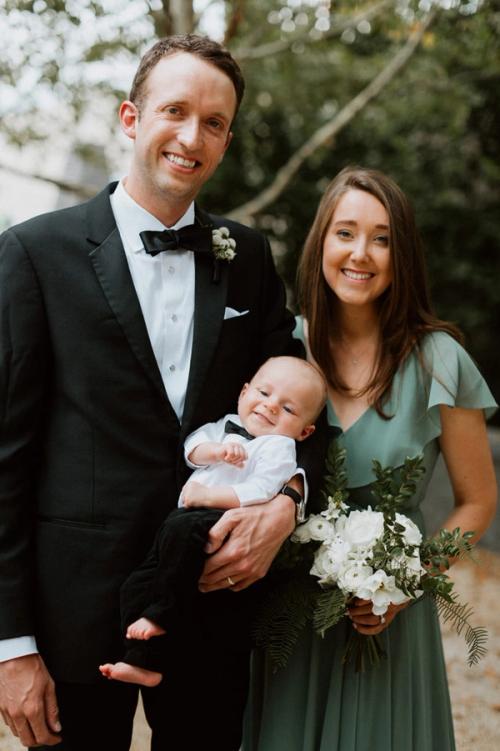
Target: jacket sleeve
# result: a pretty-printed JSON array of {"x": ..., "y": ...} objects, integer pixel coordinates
[
  {"x": 24, "y": 354},
  {"x": 277, "y": 322},
  {"x": 277, "y": 328}
]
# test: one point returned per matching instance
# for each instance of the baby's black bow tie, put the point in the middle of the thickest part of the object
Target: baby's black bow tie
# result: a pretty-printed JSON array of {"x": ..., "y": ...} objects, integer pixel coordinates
[
  {"x": 232, "y": 427},
  {"x": 192, "y": 237}
]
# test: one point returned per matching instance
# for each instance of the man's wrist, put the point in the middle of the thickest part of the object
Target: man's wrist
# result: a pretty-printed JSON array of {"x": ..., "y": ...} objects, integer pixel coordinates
[{"x": 300, "y": 506}]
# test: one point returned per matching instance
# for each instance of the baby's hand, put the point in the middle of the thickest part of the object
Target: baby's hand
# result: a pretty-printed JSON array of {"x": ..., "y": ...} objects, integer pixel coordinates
[
  {"x": 233, "y": 453},
  {"x": 194, "y": 494}
]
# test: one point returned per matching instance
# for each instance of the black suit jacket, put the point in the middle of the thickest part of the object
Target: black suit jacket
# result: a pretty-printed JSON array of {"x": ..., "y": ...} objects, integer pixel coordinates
[{"x": 90, "y": 447}]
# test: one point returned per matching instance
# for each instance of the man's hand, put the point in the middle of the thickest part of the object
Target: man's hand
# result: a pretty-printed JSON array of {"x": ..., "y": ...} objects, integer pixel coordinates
[
  {"x": 254, "y": 536},
  {"x": 28, "y": 701}
]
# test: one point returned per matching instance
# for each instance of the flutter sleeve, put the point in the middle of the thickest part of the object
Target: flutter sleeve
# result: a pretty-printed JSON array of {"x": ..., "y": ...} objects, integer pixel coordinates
[{"x": 453, "y": 380}]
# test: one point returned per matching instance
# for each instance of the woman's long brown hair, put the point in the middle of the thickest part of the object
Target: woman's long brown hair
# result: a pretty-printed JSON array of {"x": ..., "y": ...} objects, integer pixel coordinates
[{"x": 405, "y": 309}]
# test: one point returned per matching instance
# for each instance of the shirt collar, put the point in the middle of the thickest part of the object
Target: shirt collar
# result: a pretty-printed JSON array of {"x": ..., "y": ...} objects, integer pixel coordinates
[{"x": 131, "y": 218}]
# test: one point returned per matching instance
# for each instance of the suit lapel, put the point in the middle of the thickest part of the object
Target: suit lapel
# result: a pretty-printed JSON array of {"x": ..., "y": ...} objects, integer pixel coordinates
[
  {"x": 111, "y": 267},
  {"x": 209, "y": 305}
]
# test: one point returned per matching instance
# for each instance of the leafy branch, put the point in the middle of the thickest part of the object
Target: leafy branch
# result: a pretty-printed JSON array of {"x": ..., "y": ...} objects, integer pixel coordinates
[{"x": 329, "y": 130}]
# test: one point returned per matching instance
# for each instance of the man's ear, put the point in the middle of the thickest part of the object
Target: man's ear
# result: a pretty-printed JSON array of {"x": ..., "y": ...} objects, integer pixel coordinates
[
  {"x": 307, "y": 431},
  {"x": 129, "y": 116}
]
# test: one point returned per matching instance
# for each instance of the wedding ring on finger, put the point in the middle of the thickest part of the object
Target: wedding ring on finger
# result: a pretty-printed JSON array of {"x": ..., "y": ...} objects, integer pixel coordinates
[{"x": 230, "y": 581}]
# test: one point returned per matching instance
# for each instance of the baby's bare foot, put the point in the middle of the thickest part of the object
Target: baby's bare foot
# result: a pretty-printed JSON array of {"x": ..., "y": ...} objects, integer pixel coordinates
[
  {"x": 144, "y": 629},
  {"x": 121, "y": 671}
]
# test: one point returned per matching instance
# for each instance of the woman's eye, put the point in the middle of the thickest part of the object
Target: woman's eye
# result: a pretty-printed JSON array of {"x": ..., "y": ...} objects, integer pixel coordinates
[
  {"x": 382, "y": 240},
  {"x": 344, "y": 234}
]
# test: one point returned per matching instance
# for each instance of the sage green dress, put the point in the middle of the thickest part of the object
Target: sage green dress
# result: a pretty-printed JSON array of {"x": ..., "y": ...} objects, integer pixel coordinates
[{"x": 317, "y": 704}]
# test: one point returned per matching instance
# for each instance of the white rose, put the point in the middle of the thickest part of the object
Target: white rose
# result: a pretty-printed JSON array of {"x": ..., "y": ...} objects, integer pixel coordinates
[
  {"x": 412, "y": 534},
  {"x": 320, "y": 528},
  {"x": 338, "y": 551},
  {"x": 314, "y": 528},
  {"x": 301, "y": 534},
  {"x": 323, "y": 567},
  {"x": 364, "y": 527},
  {"x": 352, "y": 577}
]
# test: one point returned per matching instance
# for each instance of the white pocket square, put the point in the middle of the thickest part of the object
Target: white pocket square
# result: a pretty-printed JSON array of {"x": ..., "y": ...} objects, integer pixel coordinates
[{"x": 232, "y": 313}]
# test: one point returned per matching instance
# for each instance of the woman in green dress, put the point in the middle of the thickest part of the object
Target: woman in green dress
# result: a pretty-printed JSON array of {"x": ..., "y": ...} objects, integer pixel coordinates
[{"x": 400, "y": 384}]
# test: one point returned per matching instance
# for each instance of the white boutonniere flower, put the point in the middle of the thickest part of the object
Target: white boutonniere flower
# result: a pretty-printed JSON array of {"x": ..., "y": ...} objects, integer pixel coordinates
[{"x": 223, "y": 245}]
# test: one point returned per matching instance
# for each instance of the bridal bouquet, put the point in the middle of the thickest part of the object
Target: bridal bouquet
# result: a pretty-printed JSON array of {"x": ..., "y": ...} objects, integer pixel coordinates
[{"x": 374, "y": 554}]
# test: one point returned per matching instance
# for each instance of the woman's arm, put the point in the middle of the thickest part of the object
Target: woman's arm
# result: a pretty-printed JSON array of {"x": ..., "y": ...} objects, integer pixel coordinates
[
  {"x": 466, "y": 451},
  {"x": 467, "y": 454}
]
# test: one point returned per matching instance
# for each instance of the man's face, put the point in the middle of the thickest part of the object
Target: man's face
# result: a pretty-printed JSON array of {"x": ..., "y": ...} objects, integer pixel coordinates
[{"x": 181, "y": 131}]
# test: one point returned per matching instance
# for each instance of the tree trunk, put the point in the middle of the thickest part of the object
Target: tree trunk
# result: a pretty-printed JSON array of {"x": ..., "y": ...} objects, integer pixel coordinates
[
  {"x": 182, "y": 15},
  {"x": 327, "y": 132}
]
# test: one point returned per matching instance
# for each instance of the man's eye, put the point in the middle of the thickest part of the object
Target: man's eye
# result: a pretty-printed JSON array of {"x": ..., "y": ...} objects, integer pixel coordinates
[{"x": 215, "y": 124}]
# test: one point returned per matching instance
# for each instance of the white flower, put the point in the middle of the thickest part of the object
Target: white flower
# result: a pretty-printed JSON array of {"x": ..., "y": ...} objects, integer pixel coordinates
[
  {"x": 412, "y": 563},
  {"x": 382, "y": 591},
  {"x": 315, "y": 528},
  {"x": 323, "y": 566},
  {"x": 223, "y": 245},
  {"x": 364, "y": 527},
  {"x": 353, "y": 576},
  {"x": 412, "y": 534},
  {"x": 335, "y": 509}
]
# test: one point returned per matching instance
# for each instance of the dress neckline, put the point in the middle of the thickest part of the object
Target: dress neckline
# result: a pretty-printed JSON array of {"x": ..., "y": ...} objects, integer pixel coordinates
[{"x": 334, "y": 420}]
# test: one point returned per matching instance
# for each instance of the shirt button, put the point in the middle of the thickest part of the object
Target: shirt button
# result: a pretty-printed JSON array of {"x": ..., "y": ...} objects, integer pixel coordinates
[
  {"x": 171, "y": 368},
  {"x": 171, "y": 270},
  {"x": 173, "y": 317}
]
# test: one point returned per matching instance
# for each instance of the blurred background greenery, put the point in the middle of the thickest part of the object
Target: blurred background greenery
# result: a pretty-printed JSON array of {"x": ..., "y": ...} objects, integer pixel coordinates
[{"x": 408, "y": 87}]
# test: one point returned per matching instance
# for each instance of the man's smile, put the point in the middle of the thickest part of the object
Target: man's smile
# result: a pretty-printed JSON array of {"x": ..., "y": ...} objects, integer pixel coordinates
[{"x": 180, "y": 161}]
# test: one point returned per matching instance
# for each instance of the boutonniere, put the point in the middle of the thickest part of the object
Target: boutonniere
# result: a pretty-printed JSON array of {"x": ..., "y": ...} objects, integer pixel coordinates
[
  {"x": 223, "y": 247},
  {"x": 223, "y": 244}
]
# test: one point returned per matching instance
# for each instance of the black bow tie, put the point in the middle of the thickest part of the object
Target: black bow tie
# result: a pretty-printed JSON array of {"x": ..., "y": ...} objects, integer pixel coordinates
[
  {"x": 232, "y": 427},
  {"x": 192, "y": 237}
]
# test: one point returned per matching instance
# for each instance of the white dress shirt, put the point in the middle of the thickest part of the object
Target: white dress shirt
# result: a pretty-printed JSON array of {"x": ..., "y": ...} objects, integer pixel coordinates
[
  {"x": 271, "y": 462},
  {"x": 165, "y": 287}
]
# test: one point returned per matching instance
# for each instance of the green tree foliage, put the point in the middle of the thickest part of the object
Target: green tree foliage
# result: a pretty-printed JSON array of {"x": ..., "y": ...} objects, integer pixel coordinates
[{"x": 434, "y": 127}]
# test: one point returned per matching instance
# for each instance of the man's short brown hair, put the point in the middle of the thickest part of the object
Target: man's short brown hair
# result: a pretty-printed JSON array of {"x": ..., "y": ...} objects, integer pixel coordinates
[{"x": 202, "y": 47}]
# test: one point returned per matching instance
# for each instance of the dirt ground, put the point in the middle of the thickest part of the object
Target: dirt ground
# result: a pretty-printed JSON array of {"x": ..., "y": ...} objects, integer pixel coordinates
[{"x": 475, "y": 692}]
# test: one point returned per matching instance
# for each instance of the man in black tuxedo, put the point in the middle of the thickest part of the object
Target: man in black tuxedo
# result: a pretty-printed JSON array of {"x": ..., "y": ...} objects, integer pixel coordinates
[{"x": 112, "y": 351}]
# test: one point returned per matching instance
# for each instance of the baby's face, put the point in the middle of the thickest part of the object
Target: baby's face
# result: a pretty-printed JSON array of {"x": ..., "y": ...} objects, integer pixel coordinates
[{"x": 278, "y": 401}]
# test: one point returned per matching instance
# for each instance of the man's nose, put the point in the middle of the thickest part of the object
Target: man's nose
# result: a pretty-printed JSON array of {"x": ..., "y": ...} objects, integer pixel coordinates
[{"x": 189, "y": 133}]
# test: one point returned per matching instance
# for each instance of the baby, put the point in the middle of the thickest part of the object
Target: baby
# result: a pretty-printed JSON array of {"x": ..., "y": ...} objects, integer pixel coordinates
[{"x": 239, "y": 460}]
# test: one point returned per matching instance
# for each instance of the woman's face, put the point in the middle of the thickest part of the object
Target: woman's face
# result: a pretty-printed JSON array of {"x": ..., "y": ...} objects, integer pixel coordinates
[{"x": 356, "y": 249}]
